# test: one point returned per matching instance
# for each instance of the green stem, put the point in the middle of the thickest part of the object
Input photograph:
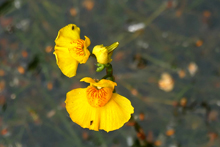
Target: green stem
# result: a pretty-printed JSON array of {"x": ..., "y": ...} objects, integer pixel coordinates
[
  {"x": 137, "y": 127},
  {"x": 106, "y": 76},
  {"x": 109, "y": 72},
  {"x": 140, "y": 131},
  {"x": 64, "y": 120}
]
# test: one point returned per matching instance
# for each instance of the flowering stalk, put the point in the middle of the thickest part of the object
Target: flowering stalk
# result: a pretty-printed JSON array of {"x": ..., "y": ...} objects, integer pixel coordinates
[
  {"x": 140, "y": 132},
  {"x": 98, "y": 106},
  {"x": 109, "y": 72}
]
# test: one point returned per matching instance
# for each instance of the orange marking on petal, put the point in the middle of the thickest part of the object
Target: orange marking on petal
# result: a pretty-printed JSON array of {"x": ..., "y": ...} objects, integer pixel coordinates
[
  {"x": 78, "y": 47},
  {"x": 98, "y": 97}
]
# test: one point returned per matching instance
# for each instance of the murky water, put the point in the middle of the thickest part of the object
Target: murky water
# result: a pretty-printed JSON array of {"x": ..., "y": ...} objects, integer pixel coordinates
[{"x": 167, "y": 64}]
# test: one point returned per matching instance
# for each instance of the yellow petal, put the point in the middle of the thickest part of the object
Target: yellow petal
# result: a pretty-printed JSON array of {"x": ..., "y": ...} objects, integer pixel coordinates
[
  {"x": 101, "y": 54},
  {"x": 80, "y": 111},
  {"x": 115, "y": 113},
  {"x": 67, "y": 64},
  {"x": 101, "y": 83},
  {"x": 86, "y": 56},
  {"x": 87, "y": 42},
  {"x": 105, "y": 83},
  {"x": 110, "y": 117},
  {"x": 88, "y": 80},
  {"x": 67, "y": 34},
  {"x": 86, "y": 51},
  {"x": 79, "y": 50},
  {"x": 98, "y": 97}
]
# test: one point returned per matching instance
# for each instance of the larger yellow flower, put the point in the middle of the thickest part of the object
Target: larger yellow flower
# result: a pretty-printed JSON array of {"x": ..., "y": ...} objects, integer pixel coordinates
[
  {"x": 70, "y": 50},
  {"x": 97, "y": 107}
]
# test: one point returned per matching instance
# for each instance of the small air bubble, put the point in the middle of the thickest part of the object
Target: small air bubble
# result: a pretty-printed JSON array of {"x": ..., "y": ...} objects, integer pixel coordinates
[
  {"x": 185, "y": 44},
  {"x": 218, "y": 103},
  {"x": 130, "y": 141},
  {"x": 13, "y": 96},
  {"x": 136, "y": 27},
  {"x": 164, "y": 34},
  {"x": 11, "y": 56},
  {"x": 17, "y": 4}
]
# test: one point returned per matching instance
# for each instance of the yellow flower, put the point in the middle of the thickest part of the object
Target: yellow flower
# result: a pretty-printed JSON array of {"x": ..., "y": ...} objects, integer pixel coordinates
[
  {"x": 103, "y": 54},
  {"x": 70, "y": 50},
  {"x": 97, "y": 107}
]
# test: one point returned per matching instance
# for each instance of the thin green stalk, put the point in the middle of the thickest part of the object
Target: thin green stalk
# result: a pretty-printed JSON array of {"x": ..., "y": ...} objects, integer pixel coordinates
[
  {"x": 182, "y": 92},
  {"x": 147, "y": 22},
  {"x": 109, "y": 72},
  {"x": 159, "y": 62},
  {"x": 60, "y": 131},
  {"x": 101, "y": 139},
  {"x": 63, "y": 119},
  {"x": 137, "y": 127}
]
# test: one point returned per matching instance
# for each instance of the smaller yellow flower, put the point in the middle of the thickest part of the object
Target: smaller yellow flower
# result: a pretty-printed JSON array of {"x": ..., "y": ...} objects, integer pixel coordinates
[
  {"x": 70, "y": 50},
  {"x": 97, "y": 107},
  {"x": 103, "y": 54}
]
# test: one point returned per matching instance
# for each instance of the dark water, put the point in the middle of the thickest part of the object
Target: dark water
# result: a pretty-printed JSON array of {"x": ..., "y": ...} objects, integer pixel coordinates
[{"x": 155, "y": 37}]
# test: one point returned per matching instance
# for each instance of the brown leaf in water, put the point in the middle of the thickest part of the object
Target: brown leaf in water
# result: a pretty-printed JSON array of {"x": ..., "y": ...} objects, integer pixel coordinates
[
  {"x": 141, "y": 116},
  {"x": 21, "y": 69},
  {"x": 73, "y": 11},
  {"x": 199, "y": 43},
  {"x": 181, "y": 73},
  {"x": 166, "y": 83},
  {"x": 49, "y": 85},
  {"x": 183, "y": 102},
  {"x": 192, "y": 68},
  {"x": 88, "y": 4},
  {"x": 207, "y": 14},
  {"x": 119, "y": 56},
  {"x": 24, "y": 54},
  {"x": 212, "y": 136},
  {"x": 170, "y": 132},
  {"x": 213, "y": 115},
  {"x": 2, "y": 72}
]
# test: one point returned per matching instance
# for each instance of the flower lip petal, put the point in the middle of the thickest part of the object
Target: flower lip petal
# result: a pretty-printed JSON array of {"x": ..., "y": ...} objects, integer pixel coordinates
[
  {"x": 105, "y": 83},
  {"x": 98, "y": 97},
  {"x": 87, "y": 80},
  {"x": 79, "y": 50},
  {"x": 86, "y": 56},
  {"x": 85, "y": 50},
  {"x": 101, "y": 83}
]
